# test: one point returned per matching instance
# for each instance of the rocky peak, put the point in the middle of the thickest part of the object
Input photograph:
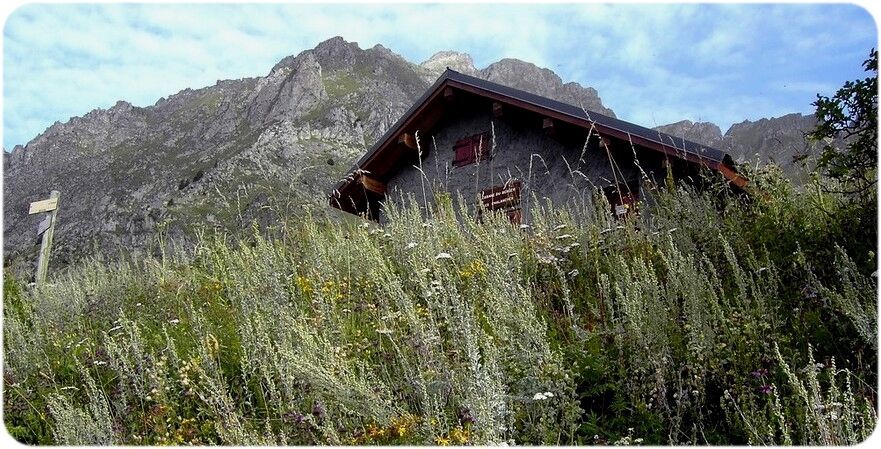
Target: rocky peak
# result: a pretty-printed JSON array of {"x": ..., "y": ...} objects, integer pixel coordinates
[
  {"x": 460, "y": 62},
  {"x": 541, "y": 81},
  {"x": 704, "y": 133}
]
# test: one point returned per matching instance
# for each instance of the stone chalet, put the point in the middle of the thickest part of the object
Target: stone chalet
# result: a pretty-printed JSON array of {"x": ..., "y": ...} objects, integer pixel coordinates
[{"x": 496, "y": 145}]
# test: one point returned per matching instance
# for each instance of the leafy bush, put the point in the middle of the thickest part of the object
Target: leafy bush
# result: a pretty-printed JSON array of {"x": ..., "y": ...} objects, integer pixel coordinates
[{"x": 680, "y": 325}]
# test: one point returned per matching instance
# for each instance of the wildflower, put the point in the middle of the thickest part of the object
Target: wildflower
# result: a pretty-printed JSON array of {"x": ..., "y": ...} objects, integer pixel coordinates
[
  {"x": 465, "y": 416},
  {"x": 99, "y": 362},
  {"x": 174, "y": 321},
  {"x": 542, "y": 396},
  {"x": 525, "y": 226},
  {"x": 318, "y": 410},
  {"x": 412, "y": 245},
  {"x": 460, "y": 436},
  {"x": 765, "y": 389},
  {"x": 293, "y": 417},
  {"x": 441, "y": 441},
  {"x": 443, "y": 256},
  {"x": 760, "y": 372}
]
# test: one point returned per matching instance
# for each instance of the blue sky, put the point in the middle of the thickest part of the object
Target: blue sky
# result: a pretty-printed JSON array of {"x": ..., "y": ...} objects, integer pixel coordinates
[{"x": 652, "y": 64}]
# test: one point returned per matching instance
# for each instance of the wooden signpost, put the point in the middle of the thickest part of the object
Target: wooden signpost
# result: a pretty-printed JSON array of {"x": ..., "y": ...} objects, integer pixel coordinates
[{"x": 46, "y": 229}]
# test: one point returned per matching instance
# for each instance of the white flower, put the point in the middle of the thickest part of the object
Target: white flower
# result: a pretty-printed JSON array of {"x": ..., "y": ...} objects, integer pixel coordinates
[
  {"x": 443, "y": 256},
  {"x": 174, "y": 321},
  {"x": 542, "y": 396},
  {"x": 412, "y": 245},
  {"x": 525, "y": 226}
]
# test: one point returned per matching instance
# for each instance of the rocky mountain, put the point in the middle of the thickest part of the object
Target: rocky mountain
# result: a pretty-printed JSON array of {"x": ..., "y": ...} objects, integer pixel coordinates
[
  {"x": 780, "y": 140},
  {"x": 223, "y": 155},
  {"x": 257, "y": 148}
]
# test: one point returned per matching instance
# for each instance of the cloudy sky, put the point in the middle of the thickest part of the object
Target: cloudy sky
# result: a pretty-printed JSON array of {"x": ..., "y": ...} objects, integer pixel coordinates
[{"x": 652, "y": 64}]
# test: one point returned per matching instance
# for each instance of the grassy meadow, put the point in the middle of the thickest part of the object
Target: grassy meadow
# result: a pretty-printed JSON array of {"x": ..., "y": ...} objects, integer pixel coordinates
[{"x": 713, "y": 318}]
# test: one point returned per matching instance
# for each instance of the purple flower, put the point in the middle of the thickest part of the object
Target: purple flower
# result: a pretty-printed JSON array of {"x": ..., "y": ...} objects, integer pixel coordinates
[
  {"x": 293, "y": 417},
  {"x": 761, "y": 372},
  {"x": 765, "y": 389},
  {"x": 465, "y": 416},
  {"x": 318, "y": 410}
]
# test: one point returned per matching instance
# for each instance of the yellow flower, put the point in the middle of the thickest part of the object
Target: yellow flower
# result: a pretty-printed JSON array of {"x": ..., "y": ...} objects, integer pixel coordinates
[
  {"x": 460, "y": 436},
  {"x": 441, "y": 441}
]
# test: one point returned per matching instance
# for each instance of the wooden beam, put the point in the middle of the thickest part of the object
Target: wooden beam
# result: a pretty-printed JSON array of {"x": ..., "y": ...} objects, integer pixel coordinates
[
  {"x": 548, "y": 126},
  {"x": 498, "y": 110},
  {"x": 372, "y": 184},
  {"x": 448, "y": 93},
  {"x": 408, "y": 140},
  {"x": 733, "y": 177}
]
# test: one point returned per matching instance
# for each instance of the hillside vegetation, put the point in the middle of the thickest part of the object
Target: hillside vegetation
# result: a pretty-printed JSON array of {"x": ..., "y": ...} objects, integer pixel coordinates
[{"x": 712, "y": 318}]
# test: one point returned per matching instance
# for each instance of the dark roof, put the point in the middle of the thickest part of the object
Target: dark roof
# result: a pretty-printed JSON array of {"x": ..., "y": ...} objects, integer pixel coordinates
[
  {"x": 692, "y": 150},
  {"x": 679, "y": 143}
]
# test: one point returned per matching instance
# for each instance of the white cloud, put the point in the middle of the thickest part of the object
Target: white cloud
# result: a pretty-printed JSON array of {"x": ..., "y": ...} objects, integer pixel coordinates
[{"x": 653, "y": 64}]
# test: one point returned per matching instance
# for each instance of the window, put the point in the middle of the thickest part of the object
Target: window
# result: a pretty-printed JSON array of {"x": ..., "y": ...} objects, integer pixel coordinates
[
  {"x": 472, "y": 149},
  {"x": 504, "y": 199}
]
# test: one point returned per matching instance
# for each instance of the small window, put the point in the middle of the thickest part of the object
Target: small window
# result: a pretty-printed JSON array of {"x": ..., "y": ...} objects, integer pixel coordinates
[
  {"x": 503, "y": 199},
  {"x": 472, "y": 149}
]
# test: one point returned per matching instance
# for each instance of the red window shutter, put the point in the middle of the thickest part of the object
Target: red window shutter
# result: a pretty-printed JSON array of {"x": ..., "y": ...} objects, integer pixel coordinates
[{"x": 472, "y": 149}]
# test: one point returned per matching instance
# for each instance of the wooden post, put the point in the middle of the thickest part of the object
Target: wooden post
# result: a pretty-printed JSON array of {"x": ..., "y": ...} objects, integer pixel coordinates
[{"x": 46, "y": 228}]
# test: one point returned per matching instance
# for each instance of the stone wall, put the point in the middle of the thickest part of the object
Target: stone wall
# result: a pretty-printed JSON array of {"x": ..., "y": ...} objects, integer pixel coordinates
[{"x": 547, "y": 169}]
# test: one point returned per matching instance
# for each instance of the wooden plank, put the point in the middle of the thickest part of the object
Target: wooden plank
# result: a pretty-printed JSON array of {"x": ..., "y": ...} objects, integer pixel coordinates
[
  {"x": 372, "y": 184},
  {"x": 498, "y": 109},
  {"x": 47, "y": 205},
  {"x": 448, "y": 93},
  {"x": 44, "y": 225},
  {"x": 407, "y": 140},
  {"x": 733, "y": 177}
]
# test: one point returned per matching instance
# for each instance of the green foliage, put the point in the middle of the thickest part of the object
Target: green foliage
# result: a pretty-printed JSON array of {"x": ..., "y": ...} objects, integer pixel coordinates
[
  {"x": 851, "y": 115},
  {"x": 678, "y": 326}
]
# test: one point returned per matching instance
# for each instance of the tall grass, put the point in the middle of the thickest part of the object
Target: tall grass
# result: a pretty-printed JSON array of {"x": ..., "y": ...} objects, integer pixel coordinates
[{"x": 681, "y": 325}]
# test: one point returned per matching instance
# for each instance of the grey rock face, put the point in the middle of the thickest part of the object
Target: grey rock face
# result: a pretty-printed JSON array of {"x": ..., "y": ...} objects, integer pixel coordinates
[
  {"x": 219, "y": 156},
  {"x": 460, "y": 62},
  {"x": 705, "y": 133},
  {"x": 780, "y": 140},
  {"x": 531, "y": 78}
]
